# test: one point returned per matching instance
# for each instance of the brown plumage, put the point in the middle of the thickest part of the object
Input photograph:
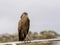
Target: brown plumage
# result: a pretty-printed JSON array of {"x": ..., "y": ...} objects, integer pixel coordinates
[{"x": 23, "y": 26}]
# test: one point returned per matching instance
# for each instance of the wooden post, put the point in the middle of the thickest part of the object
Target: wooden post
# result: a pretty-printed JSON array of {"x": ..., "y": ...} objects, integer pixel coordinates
[{"x": 14, "y": 44}]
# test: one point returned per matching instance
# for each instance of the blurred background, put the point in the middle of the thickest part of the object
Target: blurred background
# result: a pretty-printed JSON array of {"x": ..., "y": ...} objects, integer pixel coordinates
[
  {"x": 43, "y": 14},
  {"x": 44, "y": 18}
]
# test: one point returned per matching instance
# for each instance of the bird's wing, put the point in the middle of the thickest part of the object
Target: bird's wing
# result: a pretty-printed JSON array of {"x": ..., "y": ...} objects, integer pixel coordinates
[{"x": 19, "y": 25}]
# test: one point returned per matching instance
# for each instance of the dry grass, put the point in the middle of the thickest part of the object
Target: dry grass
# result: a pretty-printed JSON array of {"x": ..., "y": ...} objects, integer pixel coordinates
[{"x": 30, "y": 36}]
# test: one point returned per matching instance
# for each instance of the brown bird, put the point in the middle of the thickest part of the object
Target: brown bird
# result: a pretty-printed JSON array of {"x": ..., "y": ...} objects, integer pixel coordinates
[{"x": 23, "y": 26}]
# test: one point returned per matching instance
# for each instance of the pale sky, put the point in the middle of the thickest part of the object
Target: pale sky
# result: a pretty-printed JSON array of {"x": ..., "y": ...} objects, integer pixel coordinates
[{"x": 43, "y": 15}]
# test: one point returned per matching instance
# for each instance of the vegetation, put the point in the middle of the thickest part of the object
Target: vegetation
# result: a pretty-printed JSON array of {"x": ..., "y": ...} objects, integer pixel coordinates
[
  {"x": 31, "y": 36},
  {"x": 48, "y": 34}
]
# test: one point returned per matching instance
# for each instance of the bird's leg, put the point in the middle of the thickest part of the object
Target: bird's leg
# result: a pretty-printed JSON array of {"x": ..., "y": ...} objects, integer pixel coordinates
[{"x": 21, "y": 35}]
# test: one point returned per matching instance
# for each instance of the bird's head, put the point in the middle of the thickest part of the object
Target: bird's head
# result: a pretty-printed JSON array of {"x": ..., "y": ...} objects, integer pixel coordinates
[{"x": 24, "y": 14}]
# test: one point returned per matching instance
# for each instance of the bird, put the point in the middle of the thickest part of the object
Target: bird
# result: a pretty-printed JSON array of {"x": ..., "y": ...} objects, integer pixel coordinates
[{"x": 23, "y": 26}]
